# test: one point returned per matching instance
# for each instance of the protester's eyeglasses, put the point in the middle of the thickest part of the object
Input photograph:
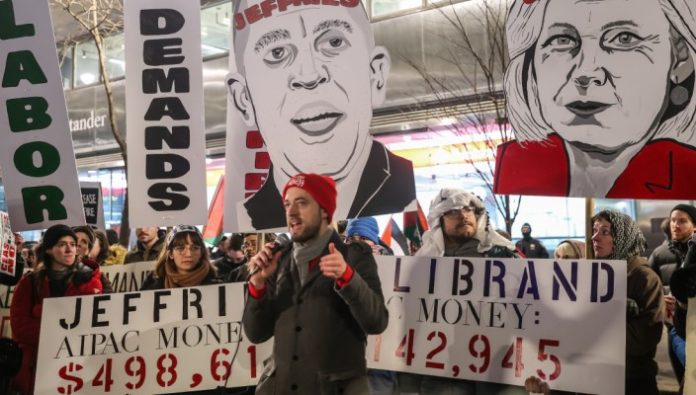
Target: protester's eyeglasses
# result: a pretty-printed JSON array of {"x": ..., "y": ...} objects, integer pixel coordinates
[
  {"x": 192, "y": 248},
  {"x": 459, "y": 211}
]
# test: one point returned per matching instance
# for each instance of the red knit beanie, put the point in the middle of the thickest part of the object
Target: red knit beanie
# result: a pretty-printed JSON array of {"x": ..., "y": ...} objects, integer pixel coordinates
[{"x": 322, "y": 189}]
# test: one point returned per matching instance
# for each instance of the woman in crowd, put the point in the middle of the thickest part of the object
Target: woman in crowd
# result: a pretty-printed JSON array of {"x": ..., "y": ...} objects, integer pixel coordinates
[
  {"x": 61, "y": 273},
  {"x": 184, "y": 261},
  {"x": 600, "y": 96},
  {"x": 85, "y": 240},
  {"x": 616, "y": 236},
  {"x": 100, "y": 250},
  {"x": 570, "y": 249}
]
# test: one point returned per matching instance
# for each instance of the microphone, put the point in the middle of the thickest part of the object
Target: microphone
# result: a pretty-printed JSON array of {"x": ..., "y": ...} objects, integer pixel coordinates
[{"x": 279, "y": 243}]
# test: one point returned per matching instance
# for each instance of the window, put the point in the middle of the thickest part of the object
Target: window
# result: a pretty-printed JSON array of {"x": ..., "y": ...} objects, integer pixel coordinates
[
  {"x": 383, "y": 7},
  {"x": 115, "y": 56},
  {"x": 65, "y": 62},
  {"x": 215, "y": 29},
  {"x": 86, "y": 64}
]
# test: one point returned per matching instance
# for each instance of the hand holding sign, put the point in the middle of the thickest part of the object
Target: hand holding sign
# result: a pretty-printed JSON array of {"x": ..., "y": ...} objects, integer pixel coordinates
[{"x": 333, "y": 265}]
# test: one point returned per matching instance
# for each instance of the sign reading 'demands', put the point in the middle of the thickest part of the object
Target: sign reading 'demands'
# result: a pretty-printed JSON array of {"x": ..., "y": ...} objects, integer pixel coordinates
[
  {"x": 36, "y": 153},
  {"x": 164, "y": 107},
  {"x": 150, "y": 342}
]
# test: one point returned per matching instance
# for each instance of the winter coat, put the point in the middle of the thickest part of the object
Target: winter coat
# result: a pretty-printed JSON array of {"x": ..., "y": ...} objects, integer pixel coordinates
[
  {"x": 663, "y": 261},
  {"x": 141, "y": 253},
  {"x": 319, "y": 331},
  {"x": 532, "y": 248},
  {"x": 25, "y": 313},
  {"x": 644, "y": 331}
]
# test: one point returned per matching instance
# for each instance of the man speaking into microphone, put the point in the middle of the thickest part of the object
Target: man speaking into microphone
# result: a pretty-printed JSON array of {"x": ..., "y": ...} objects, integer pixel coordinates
[{"x": 318, "y": 297}]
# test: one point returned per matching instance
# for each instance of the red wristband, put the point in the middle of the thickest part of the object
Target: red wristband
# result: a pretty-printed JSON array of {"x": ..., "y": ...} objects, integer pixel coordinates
[{"x": 345, "y": 278}]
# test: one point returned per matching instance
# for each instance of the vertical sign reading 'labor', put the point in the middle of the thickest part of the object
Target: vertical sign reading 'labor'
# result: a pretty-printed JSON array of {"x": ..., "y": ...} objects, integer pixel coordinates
[
  {"x": 36, "y": 153},
  {"x": 164, "y": 79}
]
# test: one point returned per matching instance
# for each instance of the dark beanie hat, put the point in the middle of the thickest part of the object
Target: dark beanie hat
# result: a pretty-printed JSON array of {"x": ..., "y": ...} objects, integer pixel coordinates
[
  {"x": 688, "y": 209},
  {"x": 54, "y": 234}
]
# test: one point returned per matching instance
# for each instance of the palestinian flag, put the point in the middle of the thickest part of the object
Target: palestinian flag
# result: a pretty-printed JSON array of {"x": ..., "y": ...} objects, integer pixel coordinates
[
  {"x": 393, "y": 232},
  {"x": 212, "y": 231},
  {"x": 415, "y": 224}
]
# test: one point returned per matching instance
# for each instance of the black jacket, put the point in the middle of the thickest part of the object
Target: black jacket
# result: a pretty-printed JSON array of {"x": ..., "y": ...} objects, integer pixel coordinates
[
  {"x": 386, "y": 186},
  {"x": 319, "y": 331}
]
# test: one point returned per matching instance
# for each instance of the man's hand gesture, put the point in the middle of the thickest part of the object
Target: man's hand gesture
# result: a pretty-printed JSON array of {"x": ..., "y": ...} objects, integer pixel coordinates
[{"x": 333, "y": 265}]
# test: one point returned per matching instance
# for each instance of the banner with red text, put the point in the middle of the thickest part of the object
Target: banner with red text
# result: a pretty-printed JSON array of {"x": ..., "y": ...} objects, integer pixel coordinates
[
  {"x": 505, "y": 320},
  {"x": 8, "y": 249},
  {"x": 163, "y": 341},
  {"x": 473, "y": 319}
]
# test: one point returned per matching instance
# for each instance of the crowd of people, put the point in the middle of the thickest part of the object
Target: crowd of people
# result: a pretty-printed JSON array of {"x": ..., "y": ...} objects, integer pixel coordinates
[{"x": 330, "y": 272}]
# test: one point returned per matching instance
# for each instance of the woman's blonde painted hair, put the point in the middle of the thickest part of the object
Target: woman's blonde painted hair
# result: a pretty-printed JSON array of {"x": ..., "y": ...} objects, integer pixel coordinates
[{"x": 523, "y": 28}]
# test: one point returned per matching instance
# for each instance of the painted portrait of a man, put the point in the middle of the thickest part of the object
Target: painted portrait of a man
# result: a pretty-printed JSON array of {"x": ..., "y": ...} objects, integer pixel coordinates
[
  {"x": 601, "y": 99},
  {"x": 309, "y": 76}
]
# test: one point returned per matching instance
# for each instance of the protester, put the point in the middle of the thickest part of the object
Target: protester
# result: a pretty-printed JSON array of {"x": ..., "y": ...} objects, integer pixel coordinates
[
  {"x": 662, "y": 260},
  {"x": 28, "y": 254},
  {"x": 253, "y": 242},
  {"x": 118, "y": 252},
  {"x": 148, "y": 247},
  {"x": 60, "y": 274},
  {"x": 183, "y": 263},
  {"x": 85, "y": 240},
  {"x": 100, "y": 251},
  {"x": 682, "y": 223},
  {"x": 318, "y": 298},
  {"x": 459, "y": 227},
  {"x": 683, "y": 287},
  {"x": 365, "y": 230},
  {"x": 570, "y": 249},
  {"x": 529, "y": 246},
  {"x": 616, "y": 236},
  {"x": 219, "y": 250},
  {"x": 230, "y": 266}
]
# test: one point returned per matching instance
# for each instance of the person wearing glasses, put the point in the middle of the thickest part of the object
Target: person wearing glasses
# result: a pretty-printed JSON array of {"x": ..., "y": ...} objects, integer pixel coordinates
[
  {"x": 184, "y": 262},
  {"x": 459, "y": 227}
]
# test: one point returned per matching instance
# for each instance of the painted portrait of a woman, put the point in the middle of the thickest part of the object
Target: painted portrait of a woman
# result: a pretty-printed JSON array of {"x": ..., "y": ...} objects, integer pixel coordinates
[{"x": 601, "y": 99}]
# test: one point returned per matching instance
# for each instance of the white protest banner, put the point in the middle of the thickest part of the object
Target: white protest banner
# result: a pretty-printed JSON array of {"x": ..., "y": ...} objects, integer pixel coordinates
[
  {"x": 36, "y": 153},
  {"x": 163, "y": 341},
  {"x": 164, "y": 107},
  {"x": 8, "y": 249},
  {"x": 128, "y": 278},
  {"x": 502, "y": 320},
  {"x": 93, "y": 203},
  {"x": 124, "y": 278},
  {"x": 690, "y": 369}
]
